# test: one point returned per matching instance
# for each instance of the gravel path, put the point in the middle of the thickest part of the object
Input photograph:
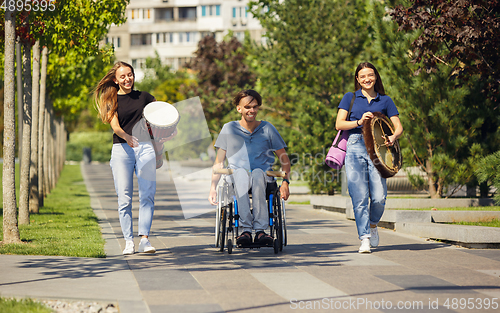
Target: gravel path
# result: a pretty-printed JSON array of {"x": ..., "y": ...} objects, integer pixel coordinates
[{"x": 60, "y": 306}]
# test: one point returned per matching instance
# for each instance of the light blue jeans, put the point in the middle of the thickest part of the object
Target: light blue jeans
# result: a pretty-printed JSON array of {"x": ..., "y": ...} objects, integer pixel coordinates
[
  {"x": 243, "y": 181},
  {"x": 364, "y": 183},
  {"x": 124, "y": 162}
]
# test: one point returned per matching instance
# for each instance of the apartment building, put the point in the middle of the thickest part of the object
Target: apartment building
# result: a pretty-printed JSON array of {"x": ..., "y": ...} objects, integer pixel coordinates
[{"x": 173, "y": 28}]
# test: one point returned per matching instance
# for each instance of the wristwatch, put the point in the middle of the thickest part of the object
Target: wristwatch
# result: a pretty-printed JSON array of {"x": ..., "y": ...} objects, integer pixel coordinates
[{"x": 285, "y": 179}]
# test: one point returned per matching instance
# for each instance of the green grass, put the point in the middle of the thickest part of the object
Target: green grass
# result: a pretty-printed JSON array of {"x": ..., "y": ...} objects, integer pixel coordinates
[
  {"x": 23, "y": 305},
  {"x": 492, "y": 223},
  {"x": 65, "y": 226},
  {"x": 299, "y": 202}
]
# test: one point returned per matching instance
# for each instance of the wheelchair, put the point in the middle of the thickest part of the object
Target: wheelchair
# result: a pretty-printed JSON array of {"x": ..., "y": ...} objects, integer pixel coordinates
[{"x": 227, "y": 218}]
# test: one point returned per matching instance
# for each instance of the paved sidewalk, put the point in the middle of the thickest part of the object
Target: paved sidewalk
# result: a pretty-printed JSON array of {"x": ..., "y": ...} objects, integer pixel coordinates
[{"x": 319, "y": 271}]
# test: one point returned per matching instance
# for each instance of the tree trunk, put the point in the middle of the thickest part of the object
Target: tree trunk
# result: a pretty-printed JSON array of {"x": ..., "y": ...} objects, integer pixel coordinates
[
  {"x": 430, "y": 180},
  {"x": 41, "y": 128},
  {"x": 19, "y": 75},
  {"x": 24, "y": 217},
  {"x": 33, "y": 186},
  {"x": 46, "y": 162},
  {"x": 10, "y": 228}
]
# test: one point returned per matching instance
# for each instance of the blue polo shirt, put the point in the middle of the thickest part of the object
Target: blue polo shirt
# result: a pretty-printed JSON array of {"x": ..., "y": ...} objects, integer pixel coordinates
[
  {"x": 250, "y": 150},
  {"x": 382, "y": 103}
]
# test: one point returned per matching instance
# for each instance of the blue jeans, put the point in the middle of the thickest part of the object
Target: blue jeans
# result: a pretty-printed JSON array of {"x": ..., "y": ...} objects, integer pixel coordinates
[
  {"x": 364, "y": 183},
  {"x": 124, "y": 162}
]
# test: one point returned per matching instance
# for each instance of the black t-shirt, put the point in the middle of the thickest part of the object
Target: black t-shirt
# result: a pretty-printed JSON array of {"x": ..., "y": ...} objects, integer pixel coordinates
[{"x": 130, "y": 108}]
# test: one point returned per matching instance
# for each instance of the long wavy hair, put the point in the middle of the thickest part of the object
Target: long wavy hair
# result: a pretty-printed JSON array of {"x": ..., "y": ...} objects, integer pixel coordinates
[
  {"x": 379, "y": 87},
  {"x": 105, "y": 93}
]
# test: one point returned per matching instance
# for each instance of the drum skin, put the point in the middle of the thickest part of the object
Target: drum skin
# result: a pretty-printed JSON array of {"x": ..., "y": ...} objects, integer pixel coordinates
[
  {"x": 387, "y": 160},
  {"x": 162, "y": 119}
]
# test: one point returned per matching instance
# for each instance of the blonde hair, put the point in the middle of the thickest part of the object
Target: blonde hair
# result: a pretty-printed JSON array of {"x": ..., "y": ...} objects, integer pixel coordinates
[{"x": 105, "y": 93}]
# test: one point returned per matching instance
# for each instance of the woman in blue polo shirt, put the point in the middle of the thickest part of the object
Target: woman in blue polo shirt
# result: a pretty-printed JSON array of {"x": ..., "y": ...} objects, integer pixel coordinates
[{"x": 368, "y": 190}]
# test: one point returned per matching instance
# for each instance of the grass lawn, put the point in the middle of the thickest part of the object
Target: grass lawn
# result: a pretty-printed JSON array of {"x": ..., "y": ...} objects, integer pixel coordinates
[
  {"x": 23, "y": 305},
  {"x": 493, "y": 223},
  {"x": 299, "y": 202},
  {"x": 65, "y": 226}
]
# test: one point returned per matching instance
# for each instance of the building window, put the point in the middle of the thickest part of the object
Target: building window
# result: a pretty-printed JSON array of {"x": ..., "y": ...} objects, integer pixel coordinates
[
  {"x": 217, "y": 10},
  {"x": 180, "y": 37},
  {"x": 203, "y": 10},
  {"x": 234, "y": 12},
  {"x": 165, "y": 14},
  {"x": 246, "y": 11},
  {"x": 187, "y": 13},
  {"x": 140, "y": 39},
  {"x": 118, "y": 44}
]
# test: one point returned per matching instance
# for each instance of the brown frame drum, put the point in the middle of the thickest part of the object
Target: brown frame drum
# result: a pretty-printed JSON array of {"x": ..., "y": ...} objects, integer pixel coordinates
[{"x": 387, "y": 160}]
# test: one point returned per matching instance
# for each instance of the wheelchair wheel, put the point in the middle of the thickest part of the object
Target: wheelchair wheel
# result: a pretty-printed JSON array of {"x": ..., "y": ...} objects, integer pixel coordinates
[
  {"x": 229, "y": 246},
  {"x": 278, "y": 226},
  {"x": 276, "y": 246},
  {"x": 222, "y": 229},
  {"x": 285, "y": 236},
  {"x": 220, "y": 191}
]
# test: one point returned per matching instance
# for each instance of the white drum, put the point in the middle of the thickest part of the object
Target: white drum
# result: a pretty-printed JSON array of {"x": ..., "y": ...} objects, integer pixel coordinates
[{"x": 162, "y": 119}]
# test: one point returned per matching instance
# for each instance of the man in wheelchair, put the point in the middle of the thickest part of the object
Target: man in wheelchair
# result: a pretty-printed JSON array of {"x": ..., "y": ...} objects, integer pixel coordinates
[{"x": 250, "y": 147}]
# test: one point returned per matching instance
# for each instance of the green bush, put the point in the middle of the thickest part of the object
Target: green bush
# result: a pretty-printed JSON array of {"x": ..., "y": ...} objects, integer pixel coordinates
[
  {"x": 488, "y": 170},
  {"x": 100, "y": 144}
]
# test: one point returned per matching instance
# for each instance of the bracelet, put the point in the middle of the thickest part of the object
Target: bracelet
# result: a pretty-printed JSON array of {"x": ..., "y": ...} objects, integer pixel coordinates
[
  {"x": 285, "y": 179},
  {"x": 357, "y": 123}
]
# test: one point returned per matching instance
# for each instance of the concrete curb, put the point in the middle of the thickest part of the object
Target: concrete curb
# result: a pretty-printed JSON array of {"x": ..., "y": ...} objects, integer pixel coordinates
[{"x": 425, "y": 224}]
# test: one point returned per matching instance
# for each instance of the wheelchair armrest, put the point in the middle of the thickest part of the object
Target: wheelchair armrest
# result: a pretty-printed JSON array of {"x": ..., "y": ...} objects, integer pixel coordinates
[
  {"x": 224, "y": 171},
  {"x": 276, "y": 174}
]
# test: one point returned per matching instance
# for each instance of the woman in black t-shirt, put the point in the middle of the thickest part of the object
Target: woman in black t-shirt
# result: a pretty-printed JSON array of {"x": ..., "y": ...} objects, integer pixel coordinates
[{"x": 121, "y": 106}]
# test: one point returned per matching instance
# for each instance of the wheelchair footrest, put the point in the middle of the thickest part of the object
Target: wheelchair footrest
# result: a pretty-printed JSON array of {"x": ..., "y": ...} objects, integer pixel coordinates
[{"x": 255, "y": 245}]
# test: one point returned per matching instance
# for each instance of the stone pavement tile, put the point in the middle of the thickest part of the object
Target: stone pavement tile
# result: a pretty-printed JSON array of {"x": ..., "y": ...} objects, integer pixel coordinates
[
  {"x": 67, "y": 277},
  {"x": 297, "y": 285},
  {"x": 236, "y": 289},
  {"x": 424, "y": 284},
  {"x": 177, "y": 297},
  {"x": 186, "y": 308},
  {"x": 354, "y": 281},
  {"x": 165, "y": 279},
  {"x": 494, "y": 273},
  {"x": 353, "y": 258},
  {"x": 486, "y": 253}
]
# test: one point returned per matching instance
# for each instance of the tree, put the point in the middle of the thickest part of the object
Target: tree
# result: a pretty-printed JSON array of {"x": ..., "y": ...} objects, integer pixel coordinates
[
  {"x": 304, "y": 68},
  {"x": 488, "y": 171},
  {"x": 34, "y": 199},
  {"x": 164, "y": 83},
  {"x": 27, "y": 121},
  {"x": 221, "y": 71},
  {"x": 10, "y": 228},
  {"x": 72, "y": 30},
  {"x": 434, "y": 108},
  {"x": 462, "y": 34}
]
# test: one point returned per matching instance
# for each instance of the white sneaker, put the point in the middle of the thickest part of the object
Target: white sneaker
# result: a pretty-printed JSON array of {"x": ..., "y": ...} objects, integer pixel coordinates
[
  {"x": 365, "y": 246},
  {"x": 145, "y": 246},
  {"x": 374, "y": 239},
  {"x": 129, "y": 247}
]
